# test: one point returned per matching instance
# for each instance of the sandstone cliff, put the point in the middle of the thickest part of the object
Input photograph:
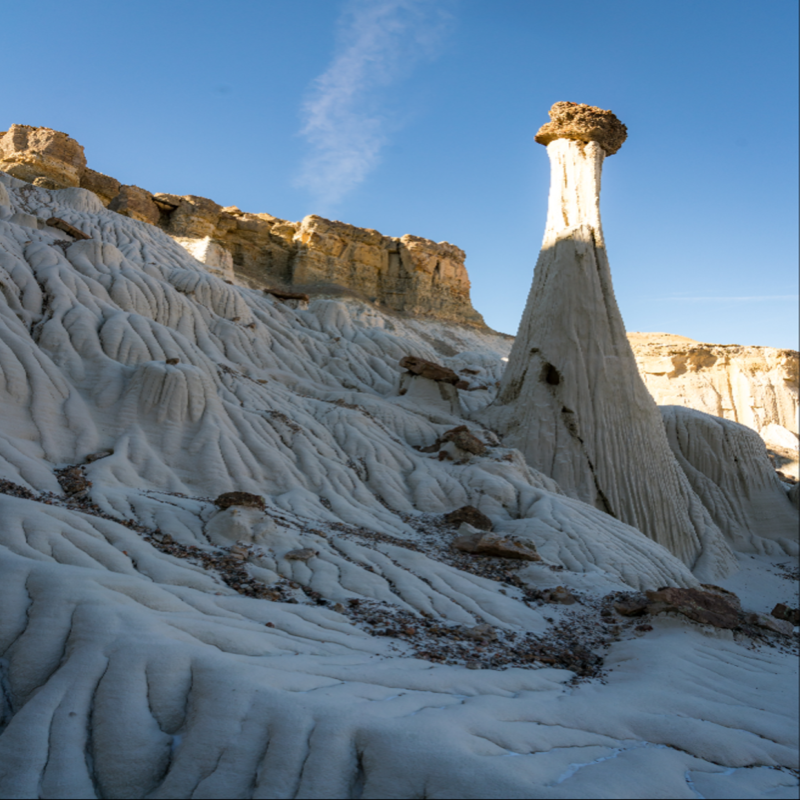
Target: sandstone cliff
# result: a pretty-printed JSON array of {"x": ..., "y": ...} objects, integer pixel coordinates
[
  {"x": 408, "y": 274},
  {"x": 756, "y": 386}
]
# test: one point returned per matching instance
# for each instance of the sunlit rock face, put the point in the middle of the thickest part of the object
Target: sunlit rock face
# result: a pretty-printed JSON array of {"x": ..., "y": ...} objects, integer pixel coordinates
[
  {"x": 571, "y": 398},
  {"x": 754, "y": 386},
  {"x": 50, "y": 158},
  {"x": 409, "y": 274}
]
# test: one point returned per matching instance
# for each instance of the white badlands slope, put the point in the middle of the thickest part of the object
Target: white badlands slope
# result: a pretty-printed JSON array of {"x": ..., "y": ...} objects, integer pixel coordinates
[{"x": 126, "y": 671}]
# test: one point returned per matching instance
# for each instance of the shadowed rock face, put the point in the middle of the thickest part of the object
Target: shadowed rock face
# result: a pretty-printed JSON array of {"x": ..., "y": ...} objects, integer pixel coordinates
[
  {"x": 583, "y": 123},
  {"x": 571, "y": 398}
]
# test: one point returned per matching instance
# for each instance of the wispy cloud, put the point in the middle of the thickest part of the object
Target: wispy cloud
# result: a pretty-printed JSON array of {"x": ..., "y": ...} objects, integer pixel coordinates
[
  {"x": 347, "y": 116},
  {"x": 723, "y": 299}
]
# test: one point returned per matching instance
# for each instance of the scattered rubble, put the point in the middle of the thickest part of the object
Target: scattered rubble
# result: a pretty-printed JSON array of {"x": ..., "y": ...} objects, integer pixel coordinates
[{"x": 72, "y": 481}]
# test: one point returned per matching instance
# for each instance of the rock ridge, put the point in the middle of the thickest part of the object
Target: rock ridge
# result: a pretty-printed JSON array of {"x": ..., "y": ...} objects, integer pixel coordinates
[{"x": 407, "y": 274}]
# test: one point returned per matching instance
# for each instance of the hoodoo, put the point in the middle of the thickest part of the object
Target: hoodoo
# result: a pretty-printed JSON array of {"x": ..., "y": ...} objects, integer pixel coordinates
[{"x": 571, "y": 398}]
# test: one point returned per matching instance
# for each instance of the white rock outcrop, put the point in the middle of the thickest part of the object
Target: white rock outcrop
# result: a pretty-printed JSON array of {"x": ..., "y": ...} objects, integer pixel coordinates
[
  {"x": 728, "y": 468},
  {"x": 571, "y": 398}
]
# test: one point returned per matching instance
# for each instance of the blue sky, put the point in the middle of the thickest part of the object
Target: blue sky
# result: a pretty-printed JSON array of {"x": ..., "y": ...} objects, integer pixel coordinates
[{"x": 418, "y": 116}]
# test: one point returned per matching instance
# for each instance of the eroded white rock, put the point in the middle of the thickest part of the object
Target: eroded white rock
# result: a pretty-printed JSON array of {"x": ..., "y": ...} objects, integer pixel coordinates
[{"x": 571, "y": 398}]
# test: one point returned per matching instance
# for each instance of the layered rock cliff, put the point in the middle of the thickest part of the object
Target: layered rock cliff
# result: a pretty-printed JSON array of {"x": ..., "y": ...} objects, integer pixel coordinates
[
  {"x": 405, "y": 274},
  {"x": 756, "y": 386}
]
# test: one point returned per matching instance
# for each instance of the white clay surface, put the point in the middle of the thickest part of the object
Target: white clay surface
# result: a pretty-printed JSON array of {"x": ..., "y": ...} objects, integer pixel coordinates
[{"x": 128, "y": 672}]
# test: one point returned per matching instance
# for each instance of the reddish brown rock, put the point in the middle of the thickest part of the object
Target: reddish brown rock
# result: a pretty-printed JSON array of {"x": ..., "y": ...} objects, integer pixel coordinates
[
  {"x": 429, "y": 369},
  {"x": 584, "y": 124},
  {"x": 471, "y": 516},
  {"x": 782, "y": 611},
  {"x": 495, "y": 544},
  {"x": 65, "y": 227},
  {"x": 707, "y": 607},
  {"x": 135, "y": 203},
  {"x": 631, "y": 606},
  {"x": 463, "y": 439},
  {"x": 560, "y": 595},
  {"x": 240, "y": 499},
  {"x": 30, "y": 153}
]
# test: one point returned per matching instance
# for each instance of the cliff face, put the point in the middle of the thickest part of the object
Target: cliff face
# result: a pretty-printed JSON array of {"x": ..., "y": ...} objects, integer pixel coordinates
[
  {"x": 756, "y": 386},
  {"x": 407, "y": 274}
]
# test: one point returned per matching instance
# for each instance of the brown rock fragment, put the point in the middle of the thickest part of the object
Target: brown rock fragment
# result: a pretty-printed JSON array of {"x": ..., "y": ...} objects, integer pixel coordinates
[
  {"x": 65, "y": 227},
  {"x": 584, "y": 124},
  {"x": 494, "y": 544},
  {"x": 782, "y": 611},
  {"x": 470, "y": 515},
  {"x": 709, "y": 608},
  {"x": 780, "y": 626},
  {"x": 303, "y": 554},
  {"x": 429, "y": 369},
  {"x": 240, "y": 499},
  {"x": 135, "y": 203},
  {"x": 462, "y": 438},
  {"x": 560, "y": 595},
  {"x": 631, "y": 607}
]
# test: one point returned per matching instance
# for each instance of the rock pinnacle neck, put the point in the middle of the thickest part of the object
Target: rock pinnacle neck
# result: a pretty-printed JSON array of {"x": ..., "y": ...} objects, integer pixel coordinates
[{"x": 575, "y": 172}]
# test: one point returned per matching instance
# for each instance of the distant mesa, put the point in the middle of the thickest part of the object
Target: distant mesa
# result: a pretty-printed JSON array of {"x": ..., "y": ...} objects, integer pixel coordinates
[{"x": 583, "y": 123}]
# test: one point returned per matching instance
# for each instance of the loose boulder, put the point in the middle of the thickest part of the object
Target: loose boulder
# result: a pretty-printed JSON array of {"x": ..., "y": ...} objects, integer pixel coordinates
[
  {"x": 240, "y": 499},
  {"x": 429, "y": 369},
  {"x": 471, "y": 516},
  {"x": 707, "y": 607},
  {"x": 494, "y": 544},
  {"x": 135, "y": 203}
]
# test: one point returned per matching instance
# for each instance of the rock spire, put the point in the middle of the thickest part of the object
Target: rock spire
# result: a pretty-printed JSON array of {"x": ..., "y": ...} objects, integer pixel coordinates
[{"x": 571, "y": 398}]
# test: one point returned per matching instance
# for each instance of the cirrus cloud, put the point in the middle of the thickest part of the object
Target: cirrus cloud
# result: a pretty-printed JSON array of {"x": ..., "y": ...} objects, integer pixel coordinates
[{"x": 348, "y": 114}]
